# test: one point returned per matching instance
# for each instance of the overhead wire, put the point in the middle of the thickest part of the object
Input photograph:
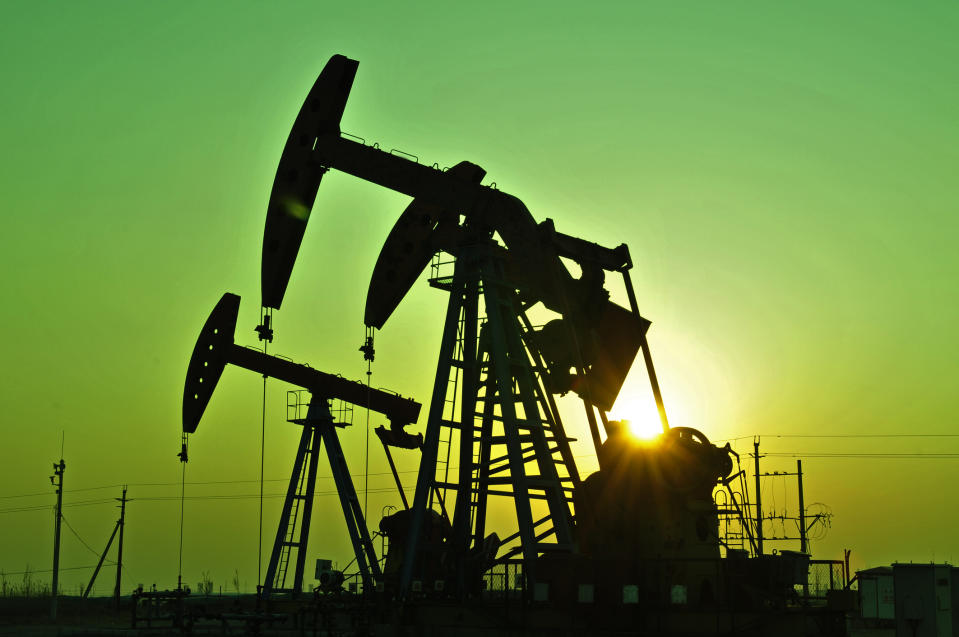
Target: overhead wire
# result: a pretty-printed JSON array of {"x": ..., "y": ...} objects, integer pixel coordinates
[
  {"x": 38, "y": 507},
  {"x": 867, "y": 455},
  {"x": 252, "y": 495},
  {"x": 45, "y": 493},
  {"x": 47, "y": 570},
  {"x": 41, "y": 507},
  {"x": 855, "y": 455},
  {"x": 847, "y": 435},
  {"x": 781, "y": 454},
  {"x": 77, "y": 535}
]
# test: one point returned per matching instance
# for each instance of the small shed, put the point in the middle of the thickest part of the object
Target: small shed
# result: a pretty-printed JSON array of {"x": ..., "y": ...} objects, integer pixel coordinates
[
  {"x": 923, "y": 594},
  {"x": 877, "y": 598}
]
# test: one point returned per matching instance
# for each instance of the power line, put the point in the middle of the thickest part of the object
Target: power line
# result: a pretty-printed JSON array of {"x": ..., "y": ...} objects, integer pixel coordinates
[
  {"x": 164, "y": 498},
  {"x": 41, "y": 507},
  {"x": 863, "y": 436},
  {"x": 785, "y": 454},
  {"x": 74, "y": 531},
  {"x": 177, "y": 484},
  {"x": 896, "y": 435},
  {"x": 894, "y": 456},
  {"x": 161, "y": 498},
  {"x": 27, "y": 495},
  {"x": 812, "y": 454},
  {"x": 248, "y": 496},
  {"x": 49, "y": 570}
]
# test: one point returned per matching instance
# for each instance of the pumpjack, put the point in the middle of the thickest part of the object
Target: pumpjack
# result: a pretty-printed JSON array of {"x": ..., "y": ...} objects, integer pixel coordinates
[
  {"x": 214, "y": 350},
  {"x": 633, "y": 547},
  {"x": 492, "y": 407}
]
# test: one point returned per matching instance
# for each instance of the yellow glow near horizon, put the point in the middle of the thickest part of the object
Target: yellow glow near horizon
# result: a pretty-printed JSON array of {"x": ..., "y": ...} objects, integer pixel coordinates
[
  {"x": 640, "y": 415},
  {"x": 644, "y": 429}
]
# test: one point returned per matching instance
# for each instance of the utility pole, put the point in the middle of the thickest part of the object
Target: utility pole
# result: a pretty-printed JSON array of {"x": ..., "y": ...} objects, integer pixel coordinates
[
  {"x": 57, "y": 481},
  {"x": 116, "y": 527},
  {"x": 759, "y": 500},
  {"x": 803, "y": 545},
  {"x": 123, "y": 507},
  {"x": 802, "y": 511}
]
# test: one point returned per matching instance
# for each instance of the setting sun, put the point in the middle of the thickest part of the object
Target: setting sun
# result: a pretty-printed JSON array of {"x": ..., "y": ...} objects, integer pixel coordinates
[
  {"x": 645, "y": 429},
  {"x": 638, "y": 411}
]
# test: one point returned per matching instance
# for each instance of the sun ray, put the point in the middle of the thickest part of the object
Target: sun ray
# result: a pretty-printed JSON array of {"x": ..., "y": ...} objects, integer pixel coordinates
[
  {"x": 640, "y": 415},
  {"x": 644, "y": 428}
]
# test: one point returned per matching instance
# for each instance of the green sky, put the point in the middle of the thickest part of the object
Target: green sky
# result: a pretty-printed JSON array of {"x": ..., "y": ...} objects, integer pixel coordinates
[{"x": 784, "y": 174}]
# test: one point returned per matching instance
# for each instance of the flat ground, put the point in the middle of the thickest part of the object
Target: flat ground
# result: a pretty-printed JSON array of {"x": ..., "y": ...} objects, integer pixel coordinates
[{"x": 30, "y": 617}]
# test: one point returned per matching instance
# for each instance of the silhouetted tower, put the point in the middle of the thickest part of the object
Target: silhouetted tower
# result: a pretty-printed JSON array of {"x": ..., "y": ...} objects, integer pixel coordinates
[
  {"x": 116, "y": 527},
  {"x": 123, "y": 508},
  {"x": 57, "y": 481},
  {"x": 803, "y": 545},
  {"x": 759, "y": 501}
]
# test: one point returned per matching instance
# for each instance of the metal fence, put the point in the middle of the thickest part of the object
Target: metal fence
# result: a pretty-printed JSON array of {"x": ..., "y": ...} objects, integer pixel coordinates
[
  {"x": 503, "y": 577},
  {"x": 662, "y": 576},
  {"x": 824, "y": 576}
]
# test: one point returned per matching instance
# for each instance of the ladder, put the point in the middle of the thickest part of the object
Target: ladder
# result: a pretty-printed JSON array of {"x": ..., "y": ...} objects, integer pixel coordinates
[
  {"x": 506, "y": 431},
  {"x": 292, "y": 533},
  {"x": 525, "y": 431}
]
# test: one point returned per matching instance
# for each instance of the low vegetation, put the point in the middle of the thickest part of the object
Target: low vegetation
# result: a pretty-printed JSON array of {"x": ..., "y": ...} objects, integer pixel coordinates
[{"x": 24, "y": 585}]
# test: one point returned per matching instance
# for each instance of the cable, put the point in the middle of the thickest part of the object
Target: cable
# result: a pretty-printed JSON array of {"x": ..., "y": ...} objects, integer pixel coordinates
[
  {"x": 29, "y": 495},
  {"x": 838, "y": 455},
  {"x": 864, "y": 435},
  {"x": 368, "y": 355},
  {"x": 50, "y": 570},
  {"x": 179, "y": 576},
  {"x": 203, "y": 482},
  {"x": 887, "y": 456},
  {"x": 39, "y": 507},
  {"x": 24, "y": 495},
  {"x": 366, "y": 459},
  {"x": 74, "y": 531},
  {"x": 894, "y": 435},
  {"x": 259, "y": 542},
  {"x": 850, "y": 455},
  {"x": 390, "y": 489}
]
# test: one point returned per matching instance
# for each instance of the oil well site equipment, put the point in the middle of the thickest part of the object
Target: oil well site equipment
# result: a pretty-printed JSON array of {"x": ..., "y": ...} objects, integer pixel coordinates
[{"x": 634, "y": 544}]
